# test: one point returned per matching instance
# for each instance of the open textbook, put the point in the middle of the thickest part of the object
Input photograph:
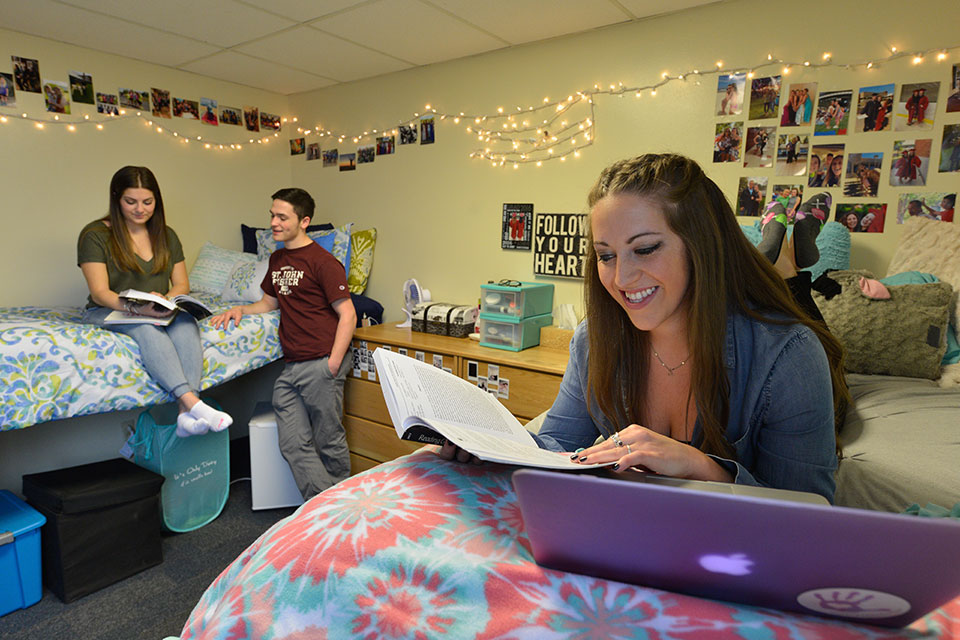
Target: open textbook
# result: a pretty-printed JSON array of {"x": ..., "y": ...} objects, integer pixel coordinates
[
  {"x": 430, "y": 405},
  {"x": 181, "y": 302}
]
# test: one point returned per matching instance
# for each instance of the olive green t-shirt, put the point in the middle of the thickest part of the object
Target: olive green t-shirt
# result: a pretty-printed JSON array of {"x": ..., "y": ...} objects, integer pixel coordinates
[{"x": 94, "y": 246}]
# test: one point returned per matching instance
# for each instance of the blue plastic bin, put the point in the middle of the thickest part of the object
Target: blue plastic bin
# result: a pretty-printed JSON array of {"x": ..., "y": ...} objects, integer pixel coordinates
[{"x": 20, "y": 584}]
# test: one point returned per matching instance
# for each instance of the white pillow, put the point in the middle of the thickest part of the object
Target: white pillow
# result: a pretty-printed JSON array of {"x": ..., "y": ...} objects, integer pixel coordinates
[
  {"x": 243, "y": 284},
  {"x": 212, "y": 268}
]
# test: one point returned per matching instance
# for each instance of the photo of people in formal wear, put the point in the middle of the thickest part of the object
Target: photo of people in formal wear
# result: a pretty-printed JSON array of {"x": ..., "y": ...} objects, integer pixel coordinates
[
  {"x": 826, "y": 166},
  {"x": 950, "y": 149},
  {"x": 833, "y": 113},
  {"x": 26, "y": 74},
  {"x": 874, "y": 108},
  {"x": 790, "y": 196},
  {"x": 330, "y": 157},
  {"x": 751, "y": 196},
  {"x": 385, "y": 145},
  {"x": 251, "y": 118},
  {"x": 313, "y": 151},
  {"x": 792, "y": 151},
  {"x": 730, "y": 88},
  {"x": 56, "y": 96},
  {"x": 189, "y": 109},
  {"x": 796, "y": 106},
  {"x": 230, "y": 115},
  {"x": 759, "y": 147},
  {"x": 133, "y": 99},
  {"x": 933, "y": 205},
  {"x": 8, "y": 90},
  {"x": 910, "y": 163},
  {"x": 209, "y": 114},
  {"x": 862, "y": 178},
  {"x": 916, "y": 107},
  {"x": 81, "y": 87},
  {"x": 348, "y": 161},
  {"x": 366, "y": 154},
  {"x": 107, "y": 103},
  {"x": 861, "y": 217},
  {"x": 764, "y": 97},
  {"x": 726, "y": 141},
  {"x": 427, "y": 132},
  {"x": 161, "y": 103},
  {"x": 297, "y": 147},
  {"x": 953, "y": 100}
]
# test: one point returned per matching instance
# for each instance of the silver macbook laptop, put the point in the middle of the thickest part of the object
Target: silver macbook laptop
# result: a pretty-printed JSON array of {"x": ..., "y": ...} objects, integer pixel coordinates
[{"x": 762, "y": 550}]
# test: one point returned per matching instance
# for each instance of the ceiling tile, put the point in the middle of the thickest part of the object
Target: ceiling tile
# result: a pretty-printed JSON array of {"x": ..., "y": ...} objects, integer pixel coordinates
[
  {"x": 303, "y": 10},
  {"x": 531, "y": 20},
  {"x": 320, "y": 53},
  {"x": 242, "y": 69},
  {"x": 646, "y": 8},
  {"x": 57, "y": 21},
  {"x": 409, "y": 30},
  {"x": 224, "y": 23}
]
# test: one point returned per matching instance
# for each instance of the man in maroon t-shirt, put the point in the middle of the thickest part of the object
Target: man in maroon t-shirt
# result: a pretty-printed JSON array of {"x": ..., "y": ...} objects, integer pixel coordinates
[{"x": 317, "y": 320}]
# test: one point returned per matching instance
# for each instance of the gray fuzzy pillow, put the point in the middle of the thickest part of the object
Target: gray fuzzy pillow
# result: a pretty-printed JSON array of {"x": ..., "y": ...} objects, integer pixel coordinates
[{"x": 902, "y": 336}]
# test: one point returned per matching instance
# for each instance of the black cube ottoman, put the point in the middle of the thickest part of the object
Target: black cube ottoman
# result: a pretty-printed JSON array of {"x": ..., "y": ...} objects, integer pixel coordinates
[{"x": 103, "y": 524}]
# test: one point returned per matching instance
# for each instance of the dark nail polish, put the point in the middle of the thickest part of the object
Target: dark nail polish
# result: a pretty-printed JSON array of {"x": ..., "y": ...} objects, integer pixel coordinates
[
  {"x": 573, "y": 456},
  {"x": 583, "y": 458},
  {"x": 616, "y": 466}
]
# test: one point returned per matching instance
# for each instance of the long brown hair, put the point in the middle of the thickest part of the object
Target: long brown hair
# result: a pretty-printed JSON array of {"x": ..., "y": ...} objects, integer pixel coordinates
[
  {"x": 121, "y": 245},
  {"x": 726, "y": 272}
]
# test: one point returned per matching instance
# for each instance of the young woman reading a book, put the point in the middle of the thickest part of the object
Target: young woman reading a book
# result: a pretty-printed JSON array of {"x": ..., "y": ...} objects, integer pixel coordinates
[
  {"x": 694, "y": 360},
  {"x": 133, "y": 248}
]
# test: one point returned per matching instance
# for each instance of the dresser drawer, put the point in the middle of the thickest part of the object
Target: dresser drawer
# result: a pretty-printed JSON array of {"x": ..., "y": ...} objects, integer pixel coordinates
[
  {"x": 529, "y": 393},
  {"x": 364, "y": 399},
  {"x": 365, "y": 359}
]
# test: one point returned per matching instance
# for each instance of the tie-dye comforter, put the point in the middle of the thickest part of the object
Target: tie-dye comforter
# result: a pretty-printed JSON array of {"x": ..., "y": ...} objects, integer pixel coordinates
[
  {"x": 54, "y": 367},
  {"x": 425, "y": 549}
]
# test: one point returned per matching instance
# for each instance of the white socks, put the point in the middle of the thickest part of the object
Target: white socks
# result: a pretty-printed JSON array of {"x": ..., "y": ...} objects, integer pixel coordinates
[
  {"x": 216, "y": 420},
  {"x": 187, "y": 426}
]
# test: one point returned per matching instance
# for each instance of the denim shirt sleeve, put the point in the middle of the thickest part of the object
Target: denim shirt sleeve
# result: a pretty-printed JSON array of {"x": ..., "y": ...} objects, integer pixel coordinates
[
  {"x": 785, "y": 437},
  {"x": 568, "y": 424}
]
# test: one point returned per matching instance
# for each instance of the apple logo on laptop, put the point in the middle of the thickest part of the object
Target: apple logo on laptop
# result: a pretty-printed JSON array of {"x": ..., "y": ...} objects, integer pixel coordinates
[{"x": 734, "y": 564}]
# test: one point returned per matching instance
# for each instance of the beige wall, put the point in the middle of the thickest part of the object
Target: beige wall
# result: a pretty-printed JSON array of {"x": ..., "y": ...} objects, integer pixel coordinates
[
  {"x": 53, "y": 181},
  {"x": 438, "y": 211}
]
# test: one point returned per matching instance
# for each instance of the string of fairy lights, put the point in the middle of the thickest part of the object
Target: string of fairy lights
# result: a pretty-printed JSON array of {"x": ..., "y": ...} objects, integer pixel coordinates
[{"x": 553, "y": 129}]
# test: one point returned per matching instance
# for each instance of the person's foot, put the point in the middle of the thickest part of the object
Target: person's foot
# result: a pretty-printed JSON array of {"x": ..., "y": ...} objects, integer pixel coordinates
[
  {"x": 772, "y": 231},
  {"x": 810, "y": 217},
  {"x": 216, "y": 420},
  {"x": 188, "y": 425}
]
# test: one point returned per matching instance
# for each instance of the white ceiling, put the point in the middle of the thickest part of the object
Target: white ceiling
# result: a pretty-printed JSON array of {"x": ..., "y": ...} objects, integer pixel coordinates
[{"x": 291, "y": 46}]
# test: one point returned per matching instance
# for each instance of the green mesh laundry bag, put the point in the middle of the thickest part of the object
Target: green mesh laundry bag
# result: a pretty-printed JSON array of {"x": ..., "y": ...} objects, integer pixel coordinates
[{"x": 196, "y": 469}]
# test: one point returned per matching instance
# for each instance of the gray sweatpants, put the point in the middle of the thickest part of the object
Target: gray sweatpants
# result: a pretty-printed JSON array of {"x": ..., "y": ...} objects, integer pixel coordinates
[{"x": 308, "y": 403}]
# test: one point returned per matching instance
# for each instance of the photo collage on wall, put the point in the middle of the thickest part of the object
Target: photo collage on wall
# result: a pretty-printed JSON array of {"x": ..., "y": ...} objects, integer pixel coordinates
[
  {"x": 78, "y": 89},
  {"x": 820, "y": 139},
  {"x": 385, "y": 143}
]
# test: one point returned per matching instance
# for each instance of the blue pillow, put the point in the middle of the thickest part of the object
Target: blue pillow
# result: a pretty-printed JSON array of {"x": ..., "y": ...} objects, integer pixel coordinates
[{"x": 952, "y": 356}]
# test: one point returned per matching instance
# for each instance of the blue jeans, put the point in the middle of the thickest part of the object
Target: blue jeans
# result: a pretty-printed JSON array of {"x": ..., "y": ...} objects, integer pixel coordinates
[{"x": 172, "y": 355}]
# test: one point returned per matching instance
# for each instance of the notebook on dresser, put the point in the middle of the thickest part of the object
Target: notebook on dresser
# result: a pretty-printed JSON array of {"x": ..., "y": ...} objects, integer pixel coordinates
[{"x": 766, "y": 549}]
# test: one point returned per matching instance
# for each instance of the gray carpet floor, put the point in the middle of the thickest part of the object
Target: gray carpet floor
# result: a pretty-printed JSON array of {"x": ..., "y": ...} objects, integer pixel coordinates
[{"x": 155, "y": 603}]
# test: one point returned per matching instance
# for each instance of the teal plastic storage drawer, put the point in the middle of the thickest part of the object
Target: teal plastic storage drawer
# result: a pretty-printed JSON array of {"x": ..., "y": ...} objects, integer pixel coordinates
[
  {"x": 512, "y": 334},
  {"x": 20, "y": 584},
  {"x": 524, "y": 300}
]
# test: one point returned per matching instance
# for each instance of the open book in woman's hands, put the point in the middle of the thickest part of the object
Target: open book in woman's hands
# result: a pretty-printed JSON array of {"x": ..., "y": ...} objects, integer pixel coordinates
[{"x": 182, "y": 302}]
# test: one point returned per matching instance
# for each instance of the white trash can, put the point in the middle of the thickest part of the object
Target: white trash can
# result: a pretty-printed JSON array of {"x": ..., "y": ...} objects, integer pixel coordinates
[{"x": 271, "y": 480}]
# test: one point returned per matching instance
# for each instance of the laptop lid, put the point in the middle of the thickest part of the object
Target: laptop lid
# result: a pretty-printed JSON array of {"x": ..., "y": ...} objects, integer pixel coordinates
[{"x": 865, "y": 566}]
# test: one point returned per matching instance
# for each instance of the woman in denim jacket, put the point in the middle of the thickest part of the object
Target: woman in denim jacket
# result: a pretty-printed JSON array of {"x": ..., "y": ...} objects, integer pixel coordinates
[{"x": 697, "y": 358}]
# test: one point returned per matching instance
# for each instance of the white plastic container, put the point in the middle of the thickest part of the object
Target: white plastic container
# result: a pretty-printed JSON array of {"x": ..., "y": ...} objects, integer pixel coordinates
[{"x": 271, "y": 481}]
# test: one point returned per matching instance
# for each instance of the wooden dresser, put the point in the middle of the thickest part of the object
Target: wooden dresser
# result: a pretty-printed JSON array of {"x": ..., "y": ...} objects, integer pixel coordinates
[{"x": 527, "y": 382}]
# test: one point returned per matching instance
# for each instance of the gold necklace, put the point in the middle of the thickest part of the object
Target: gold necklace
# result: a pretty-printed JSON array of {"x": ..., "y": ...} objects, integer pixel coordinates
[{"x": 669, "y": 369}]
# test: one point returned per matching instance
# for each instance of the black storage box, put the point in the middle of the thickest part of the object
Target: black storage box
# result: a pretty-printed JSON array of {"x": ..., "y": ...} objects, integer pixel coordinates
[{"x": 103, "y": 524}]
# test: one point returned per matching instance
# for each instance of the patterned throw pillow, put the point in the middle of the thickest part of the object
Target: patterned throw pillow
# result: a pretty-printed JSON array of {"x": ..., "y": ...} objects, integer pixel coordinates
[
  {"x": 340, "y": 250},
  {"x": 243, "y": 284},
  {"x": 362, "y": 244},
  {"x": 212, "y": 268}
]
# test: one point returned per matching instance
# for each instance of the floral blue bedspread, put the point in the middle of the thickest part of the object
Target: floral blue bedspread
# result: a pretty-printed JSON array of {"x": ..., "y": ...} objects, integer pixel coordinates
[{"x": 53, "y": 367}]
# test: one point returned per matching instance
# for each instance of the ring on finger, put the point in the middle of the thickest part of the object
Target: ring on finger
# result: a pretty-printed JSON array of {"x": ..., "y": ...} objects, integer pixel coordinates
[
  {"x": 616, "y": 439},
  {"x": 629, "y": 450}
]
